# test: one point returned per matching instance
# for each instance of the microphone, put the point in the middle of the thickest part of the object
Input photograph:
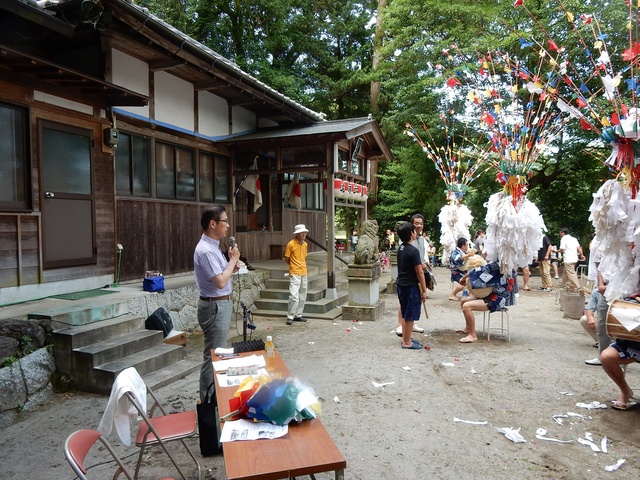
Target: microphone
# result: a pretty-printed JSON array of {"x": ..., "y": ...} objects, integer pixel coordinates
[{"x": 232, "y": 242}]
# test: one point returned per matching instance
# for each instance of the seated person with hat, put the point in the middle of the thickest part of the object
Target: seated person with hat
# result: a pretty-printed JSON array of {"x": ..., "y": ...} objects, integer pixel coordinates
[{"x": 497, "y": 292}]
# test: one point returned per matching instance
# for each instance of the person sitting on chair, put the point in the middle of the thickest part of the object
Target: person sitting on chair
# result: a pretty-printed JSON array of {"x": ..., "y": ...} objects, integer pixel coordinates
[
  {"x": 456, "y": 261},
  {"x": 501, "y": 295},
  {"x": 620, "y": 352}
]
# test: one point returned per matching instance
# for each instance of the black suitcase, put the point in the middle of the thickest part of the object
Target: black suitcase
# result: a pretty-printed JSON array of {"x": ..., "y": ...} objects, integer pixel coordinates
[{"x": 159, "y": 320}]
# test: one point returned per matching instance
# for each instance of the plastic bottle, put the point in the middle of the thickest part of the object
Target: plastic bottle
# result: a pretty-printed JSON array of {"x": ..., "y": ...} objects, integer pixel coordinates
[{"x": 270, "y": 354}]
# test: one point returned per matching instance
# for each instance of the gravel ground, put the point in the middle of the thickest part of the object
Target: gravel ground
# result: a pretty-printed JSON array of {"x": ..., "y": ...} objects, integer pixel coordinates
[{"x": 406, "y": 429}]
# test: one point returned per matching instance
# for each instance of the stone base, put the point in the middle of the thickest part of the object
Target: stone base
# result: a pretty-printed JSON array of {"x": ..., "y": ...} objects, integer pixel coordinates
[
  {"x": 361, "y": 313},
  {"x": 391, "y": 288}
]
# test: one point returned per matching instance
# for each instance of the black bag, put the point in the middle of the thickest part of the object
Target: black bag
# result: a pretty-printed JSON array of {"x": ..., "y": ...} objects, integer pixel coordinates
[
  {"x": 209, "y": 424},
  {"x": 159, "y": 320},
  {"x": 430, "y": 280}
]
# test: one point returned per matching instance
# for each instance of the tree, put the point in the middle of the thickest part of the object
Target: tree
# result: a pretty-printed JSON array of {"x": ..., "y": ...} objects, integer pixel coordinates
[
  {"x": 416, "y": 35},
  {"x": 317, "y": 53}
]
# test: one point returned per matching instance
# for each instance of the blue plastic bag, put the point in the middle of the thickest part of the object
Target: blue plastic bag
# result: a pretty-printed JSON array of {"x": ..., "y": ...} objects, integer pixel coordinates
[{"x": 153, "y": 284}]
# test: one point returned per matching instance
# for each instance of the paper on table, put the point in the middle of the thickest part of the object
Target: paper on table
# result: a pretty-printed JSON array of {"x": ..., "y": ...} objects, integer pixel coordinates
[
  {"x": 251, "y": 361},
  {"x": 250, "y": 430},
  {"x": 629, "y": 318},
  {"x": 225, "y": 380}
]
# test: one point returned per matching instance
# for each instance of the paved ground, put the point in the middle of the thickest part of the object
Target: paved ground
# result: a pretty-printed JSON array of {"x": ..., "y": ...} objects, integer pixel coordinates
[{"x": 406, "y": 429}]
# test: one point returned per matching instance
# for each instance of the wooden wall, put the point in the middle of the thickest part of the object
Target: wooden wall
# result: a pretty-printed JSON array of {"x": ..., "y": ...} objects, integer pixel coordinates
[
  {"x": 316, "y": 223},
  {"x": 156, "y": 235},
  {"x": 19, "y": 250}
]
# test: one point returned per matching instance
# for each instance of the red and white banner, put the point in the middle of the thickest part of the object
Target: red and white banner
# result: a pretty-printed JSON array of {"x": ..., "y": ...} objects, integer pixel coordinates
[
  {"x": 293, "y": 192},
  {"x": 252, "y": 184}
]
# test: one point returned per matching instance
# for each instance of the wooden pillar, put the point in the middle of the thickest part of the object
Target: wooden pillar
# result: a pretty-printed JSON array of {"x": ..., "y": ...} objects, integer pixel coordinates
[{"x": 332, "y": 158}]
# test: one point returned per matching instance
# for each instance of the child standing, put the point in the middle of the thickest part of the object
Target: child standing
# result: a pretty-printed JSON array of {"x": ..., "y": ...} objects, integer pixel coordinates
[{"x": 411, "y": 285}]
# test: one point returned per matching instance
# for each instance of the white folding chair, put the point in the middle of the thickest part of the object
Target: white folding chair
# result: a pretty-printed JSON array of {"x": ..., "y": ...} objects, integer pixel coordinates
[{"x": 504, "y": 313}]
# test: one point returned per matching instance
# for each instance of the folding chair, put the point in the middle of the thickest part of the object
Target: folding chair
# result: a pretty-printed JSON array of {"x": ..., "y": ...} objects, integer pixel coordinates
[
  {"x": 78, "y": 445},
  {"x": 160, "y": 429}
]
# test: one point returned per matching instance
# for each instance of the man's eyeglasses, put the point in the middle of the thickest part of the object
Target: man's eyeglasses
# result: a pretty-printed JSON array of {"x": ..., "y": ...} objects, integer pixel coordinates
[{"x": 223, "y": 220}]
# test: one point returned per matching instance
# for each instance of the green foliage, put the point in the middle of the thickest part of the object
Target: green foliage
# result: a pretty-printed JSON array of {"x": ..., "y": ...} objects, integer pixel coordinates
[
  {"x": 347, "y": 218},
  {"x": 9, "y": 361},
  {"x": 27, "y": 345},
  {"x": 177, "y": 13},
  {"x": 317, "y": 53},
  {"x": 320, "y": 53}
]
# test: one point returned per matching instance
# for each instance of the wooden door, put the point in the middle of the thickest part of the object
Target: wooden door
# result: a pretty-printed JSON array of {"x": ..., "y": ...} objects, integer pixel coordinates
[{"x": 67, "y": 201}]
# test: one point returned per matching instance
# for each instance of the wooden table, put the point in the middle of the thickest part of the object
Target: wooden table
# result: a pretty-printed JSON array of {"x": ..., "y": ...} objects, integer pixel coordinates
[{"x": 307, "y": 448}]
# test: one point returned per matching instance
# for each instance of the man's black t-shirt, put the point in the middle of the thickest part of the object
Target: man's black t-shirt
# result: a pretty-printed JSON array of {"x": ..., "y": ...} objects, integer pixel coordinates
[
  {"x": 543, "y": 251},
  {"x": 408, "y": 258}
]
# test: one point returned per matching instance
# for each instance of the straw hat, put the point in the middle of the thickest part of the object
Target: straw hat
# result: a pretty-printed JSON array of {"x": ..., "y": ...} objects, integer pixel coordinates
[{"x": 300, "y": 229}]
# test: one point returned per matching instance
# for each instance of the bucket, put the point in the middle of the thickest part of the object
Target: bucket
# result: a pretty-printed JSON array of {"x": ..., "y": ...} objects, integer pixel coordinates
[{"x": 573, "y": 303}]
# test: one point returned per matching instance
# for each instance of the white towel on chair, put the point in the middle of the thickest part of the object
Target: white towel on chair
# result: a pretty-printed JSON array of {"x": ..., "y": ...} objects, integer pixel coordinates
[{"x": 119, "y": 409}]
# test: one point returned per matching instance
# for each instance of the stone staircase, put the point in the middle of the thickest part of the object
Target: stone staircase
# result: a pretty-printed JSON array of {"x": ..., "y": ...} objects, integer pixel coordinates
[
  {"x": 274, "y": 299},
  {"x": 94, "y": 343}
]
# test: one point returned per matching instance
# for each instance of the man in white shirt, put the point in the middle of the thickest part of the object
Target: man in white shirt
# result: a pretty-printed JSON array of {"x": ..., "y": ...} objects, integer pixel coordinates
[{"x": 572, "y": 253}]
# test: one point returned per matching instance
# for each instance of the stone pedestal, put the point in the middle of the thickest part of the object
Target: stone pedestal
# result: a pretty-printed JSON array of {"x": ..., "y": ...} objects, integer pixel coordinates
[
  {"x": 393, "y": 262},
  {"x": 364, "y": 293}
]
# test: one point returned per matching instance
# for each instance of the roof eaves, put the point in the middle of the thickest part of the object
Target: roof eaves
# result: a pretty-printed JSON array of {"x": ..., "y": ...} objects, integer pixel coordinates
[{"x": 215, "y": 58}]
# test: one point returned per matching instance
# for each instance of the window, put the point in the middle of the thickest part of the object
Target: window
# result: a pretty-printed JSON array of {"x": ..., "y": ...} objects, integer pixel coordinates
[
  {"x": 214, "y": 178},
  {"x": 14, "y": 171},
  {"x": 311, "y": 194},
  {"x": 343, "y": 158},
  {"x": 132, "y": 165},
  {"x": 356, "y": 166},
  {"x": 175, "y": 172}
]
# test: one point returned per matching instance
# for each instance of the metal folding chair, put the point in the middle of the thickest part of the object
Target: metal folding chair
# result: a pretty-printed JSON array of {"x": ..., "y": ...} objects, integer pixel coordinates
[
  {"x": 159, "y": 427},
  {"x": 78, "y": 445}
]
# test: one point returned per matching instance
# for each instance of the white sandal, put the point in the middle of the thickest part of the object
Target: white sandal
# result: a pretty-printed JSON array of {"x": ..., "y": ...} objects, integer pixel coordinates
[
  {"x": 417, "y": 329},
  {"x": 399, "y": 331}
]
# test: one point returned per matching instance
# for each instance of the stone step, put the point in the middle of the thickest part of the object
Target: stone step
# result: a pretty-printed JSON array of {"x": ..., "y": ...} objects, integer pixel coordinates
[
  {"x": 146, "y": 361},
  {"x": 331, "y": 314},
  {"x": 279, "y": 307},
  {"x": 82, "y": 313},
  {"x": 283, "y": 294},
  {"x": 169, "y": 374},
  {"x": 116, "y": 347},
  {"x": 317, "y": 281},
  {"x": 81, "y": 336}
]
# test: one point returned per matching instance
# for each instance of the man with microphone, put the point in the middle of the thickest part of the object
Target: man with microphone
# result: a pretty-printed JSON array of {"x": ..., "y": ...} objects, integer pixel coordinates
[{"x": 213, "y": 278}]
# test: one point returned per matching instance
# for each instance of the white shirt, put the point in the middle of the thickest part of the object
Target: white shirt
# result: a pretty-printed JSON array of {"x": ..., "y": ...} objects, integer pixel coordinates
[
  {"x": 419, "y": 243},
  {"x": 569, "y": 246}
]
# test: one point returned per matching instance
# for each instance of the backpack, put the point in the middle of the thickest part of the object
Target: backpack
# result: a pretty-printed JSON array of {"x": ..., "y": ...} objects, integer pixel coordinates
[{"x": 159, "y": 320}]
